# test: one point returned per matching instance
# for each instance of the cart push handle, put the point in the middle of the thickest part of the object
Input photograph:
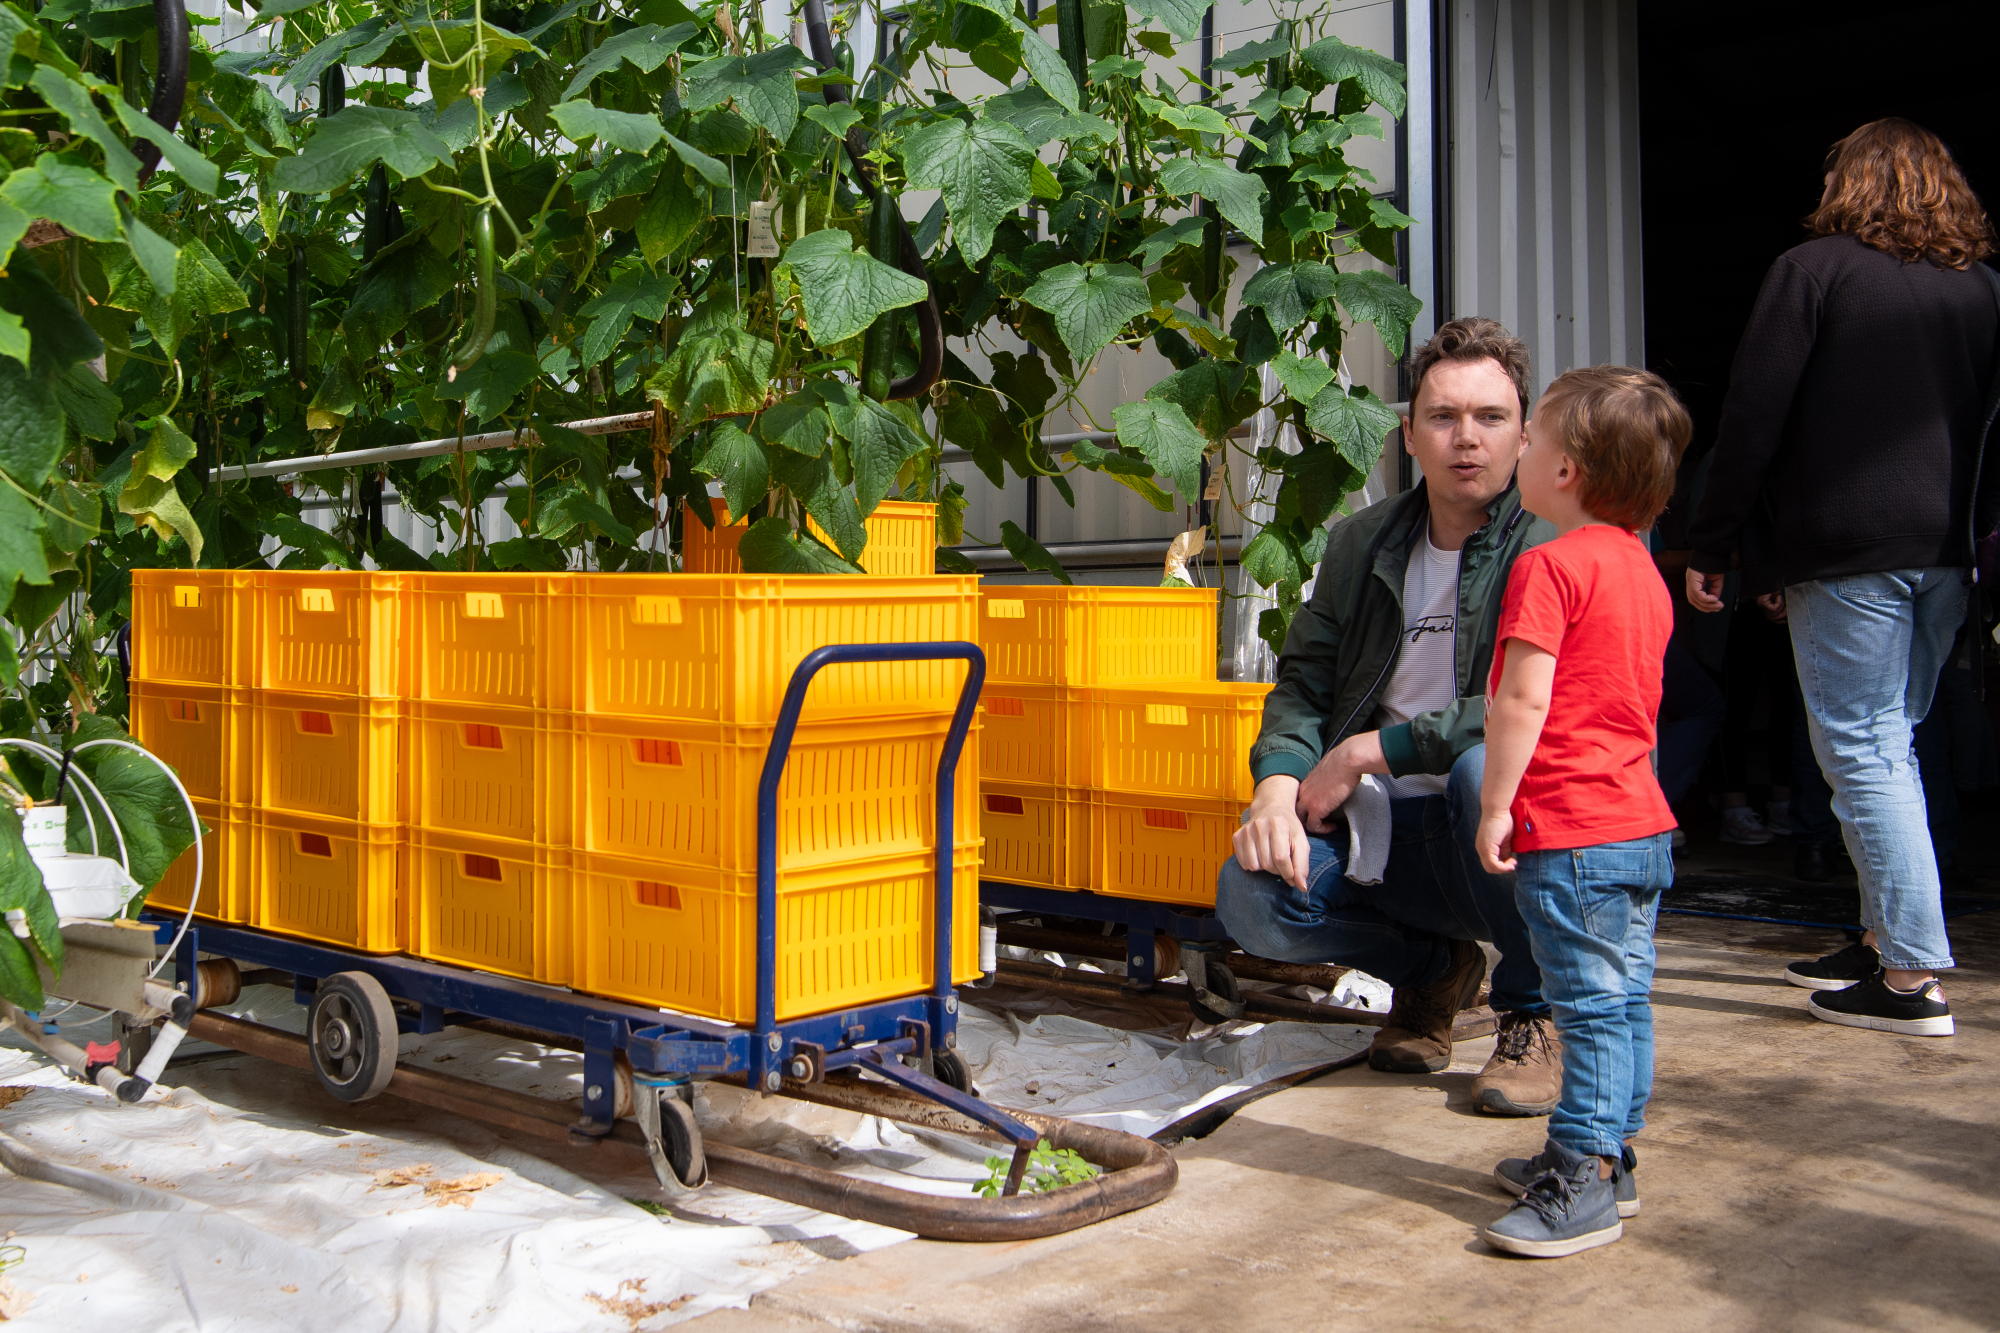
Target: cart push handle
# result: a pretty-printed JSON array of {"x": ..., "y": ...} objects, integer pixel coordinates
[{"x": 774, "y": 769}]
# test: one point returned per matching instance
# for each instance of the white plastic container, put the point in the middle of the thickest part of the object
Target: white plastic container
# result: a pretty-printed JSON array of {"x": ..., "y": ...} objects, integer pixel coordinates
[{"x": 94, "y": 888}]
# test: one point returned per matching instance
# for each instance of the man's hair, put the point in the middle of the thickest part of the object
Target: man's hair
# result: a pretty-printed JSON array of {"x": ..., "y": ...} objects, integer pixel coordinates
[
  {"x": 1625, "y": 430},
  {"x": 1895, "y": 187},
  {"x": 1473, "y": 339}
]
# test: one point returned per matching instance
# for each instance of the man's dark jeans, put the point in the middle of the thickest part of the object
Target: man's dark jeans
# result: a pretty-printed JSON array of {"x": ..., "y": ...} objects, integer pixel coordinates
[{"x": 1433, "y": 891}]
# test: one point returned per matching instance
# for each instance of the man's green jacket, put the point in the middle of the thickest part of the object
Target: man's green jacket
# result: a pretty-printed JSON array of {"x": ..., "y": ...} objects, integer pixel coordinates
[{"x": 1344, "y": 643}]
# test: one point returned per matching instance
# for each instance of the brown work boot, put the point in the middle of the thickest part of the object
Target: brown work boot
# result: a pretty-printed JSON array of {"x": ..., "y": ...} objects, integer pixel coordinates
[
  {"x": 1525, "y": 1075},
  {"x": 1417, "y": 1037}
]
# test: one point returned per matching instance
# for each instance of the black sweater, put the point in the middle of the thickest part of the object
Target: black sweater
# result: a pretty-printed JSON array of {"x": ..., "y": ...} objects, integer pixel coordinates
[{"x": 1853, "y": 421}]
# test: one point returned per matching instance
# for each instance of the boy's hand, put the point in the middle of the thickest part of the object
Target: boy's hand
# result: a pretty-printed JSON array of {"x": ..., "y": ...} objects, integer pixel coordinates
[
  {"x": 1271, "y": 838},
  {"x": 1495, "y": 841}
]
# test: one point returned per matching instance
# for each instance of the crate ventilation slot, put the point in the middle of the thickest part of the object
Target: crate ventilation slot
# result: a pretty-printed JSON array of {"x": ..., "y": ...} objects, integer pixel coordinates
[
  {"x": 316, "y": 724},
  {"x": 653, "y": 894},
  {"x": 483, "y": 736},
  {"x": 481, "y": 867}
]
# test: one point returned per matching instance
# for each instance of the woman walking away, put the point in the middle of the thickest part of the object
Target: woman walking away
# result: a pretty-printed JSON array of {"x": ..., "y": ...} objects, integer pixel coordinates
[{"x": 1845, "y": 465}]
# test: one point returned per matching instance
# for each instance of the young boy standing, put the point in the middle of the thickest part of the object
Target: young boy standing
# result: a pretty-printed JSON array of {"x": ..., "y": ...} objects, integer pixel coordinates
[{"x": 1570, "y": 803}]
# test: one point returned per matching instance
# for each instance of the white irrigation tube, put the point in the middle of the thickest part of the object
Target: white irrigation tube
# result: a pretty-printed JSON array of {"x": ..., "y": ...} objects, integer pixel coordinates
[{"x": 53, "y": 756}]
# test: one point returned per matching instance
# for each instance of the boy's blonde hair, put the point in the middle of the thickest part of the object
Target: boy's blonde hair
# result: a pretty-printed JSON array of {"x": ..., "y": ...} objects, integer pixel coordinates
[{"x": 1625, "y": 430}]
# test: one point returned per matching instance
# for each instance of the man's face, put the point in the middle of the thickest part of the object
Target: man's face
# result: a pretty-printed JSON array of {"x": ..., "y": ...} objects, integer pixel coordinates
[{"x": 1465, "y": 431}]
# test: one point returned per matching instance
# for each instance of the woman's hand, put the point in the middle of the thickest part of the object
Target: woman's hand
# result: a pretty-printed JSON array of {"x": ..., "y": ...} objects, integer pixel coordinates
[
  {"x": 1495, "y": 841},
  {"x": 1705, "y": 590}
]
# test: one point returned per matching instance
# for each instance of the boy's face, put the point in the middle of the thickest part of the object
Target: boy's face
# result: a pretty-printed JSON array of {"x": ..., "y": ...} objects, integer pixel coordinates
[
  {"x": 1464, "y": 430},
  {"x": 1544, "y": 466}
]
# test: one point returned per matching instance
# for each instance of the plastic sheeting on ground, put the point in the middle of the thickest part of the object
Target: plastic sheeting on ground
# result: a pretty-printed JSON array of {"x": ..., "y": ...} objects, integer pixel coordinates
[{"x": 242, "y": 1197}]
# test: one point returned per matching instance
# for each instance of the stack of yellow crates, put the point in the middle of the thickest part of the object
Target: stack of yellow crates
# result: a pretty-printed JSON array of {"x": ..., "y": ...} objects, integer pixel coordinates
[
  {"x": 1112, "y": 759},
  {"x": 554, "y": 776}
]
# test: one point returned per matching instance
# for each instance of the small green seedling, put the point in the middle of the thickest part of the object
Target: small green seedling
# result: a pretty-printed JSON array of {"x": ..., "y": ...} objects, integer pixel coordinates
[{"x": 1048, "y": 1169}]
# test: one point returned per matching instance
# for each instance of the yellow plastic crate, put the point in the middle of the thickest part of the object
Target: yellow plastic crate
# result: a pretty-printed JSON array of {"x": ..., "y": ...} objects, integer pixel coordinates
[
  {"x": 330, "y": 632},
  {"x": 202, "y": 732},
  {"x": 1035, "y": 835},
  {"x": 225, "y": 870},
  {"x": 489, "y": 772},
  {"x": 492, "y": 639},
  {"x": 722, "y": 648},
  {"x": 491, "y": 904},
  {"x": 902, "y": 540},
  {"x": 1165, "y": 851},
  {"x": 686, "y": 793},
  {"x": 1098, "y": 636},
  {"x": 685, "y": 937},
  {"x": 1037, "y": 734},
  {"x": 336, "y": 881},
  {"x": 1181, "y": 740},
  {"x": 325, "y": 755},
  {"x": 195, "y": 626}
]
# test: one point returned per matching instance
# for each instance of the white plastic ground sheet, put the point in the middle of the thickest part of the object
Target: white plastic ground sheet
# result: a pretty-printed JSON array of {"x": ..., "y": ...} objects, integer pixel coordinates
[{"x": 241, "y": 1196}]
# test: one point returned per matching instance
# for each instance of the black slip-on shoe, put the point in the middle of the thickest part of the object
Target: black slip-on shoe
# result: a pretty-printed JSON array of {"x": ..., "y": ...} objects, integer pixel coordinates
[
  {"x": 1836, "y": 971},
  {"x": 1875, "y": 1004}
]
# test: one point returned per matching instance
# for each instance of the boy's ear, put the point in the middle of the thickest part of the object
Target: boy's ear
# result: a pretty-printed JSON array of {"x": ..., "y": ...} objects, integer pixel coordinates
[{"x": 1567, "y": 472}]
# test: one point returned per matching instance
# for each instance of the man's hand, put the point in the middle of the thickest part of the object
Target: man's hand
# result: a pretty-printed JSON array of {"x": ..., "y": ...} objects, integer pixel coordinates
[
  {"x": 1495, "y": 841},
  {"x": 1705, "y": 590},
  {"x": 1336, "y": 775},
  {"x": 1772, "y": 604},
  {"x": 1271, "y": 837}
]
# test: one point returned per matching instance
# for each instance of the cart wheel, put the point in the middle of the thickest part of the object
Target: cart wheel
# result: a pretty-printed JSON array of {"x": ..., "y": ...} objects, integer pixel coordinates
[
  {"x": 1220, "y": 986},
  {"x": 680, "y": 1136},
  {"x": 952, "y": 1071},
  {"x": 353, "y": 1032}
]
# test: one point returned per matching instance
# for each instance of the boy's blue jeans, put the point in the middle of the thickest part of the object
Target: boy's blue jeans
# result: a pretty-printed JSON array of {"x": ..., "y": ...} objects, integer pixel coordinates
[{"x": 1590, "y": 914}]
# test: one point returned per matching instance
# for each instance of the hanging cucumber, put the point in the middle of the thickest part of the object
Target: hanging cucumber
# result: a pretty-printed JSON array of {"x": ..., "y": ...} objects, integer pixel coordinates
[
  {"x": 1070, "y": 39},
  {"x": 375, "y": 218},
  {"x": 1277, "y": 71},
  {"x": 332, "y": 91},
  {"x": 843, "y": 60},
  {"x": 473, "y": 345},
  {"x": 885, "y": 242},
  {"x": 1211, "y": 258},
  {"x": 299, "y": 315}
]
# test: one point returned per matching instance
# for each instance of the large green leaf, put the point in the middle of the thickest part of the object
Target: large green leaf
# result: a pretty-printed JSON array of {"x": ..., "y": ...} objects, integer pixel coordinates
[
  {"x": 844, "y": 290},
  {"x": 1031, "y": 553},
  {"x": 22, "y": 554},
  {"x": 182, "y": 156},
  {"x": 632, "y": 131},
  {"x": 202, "y": 286},
  {"x": 31, "y": 425},
  {"x": 831, "y": 505},
  {"x": 1181, "y": 17},
  {"x": 1302, "y": 376},
  {"x": 1287, "y": 293},
  {"x": 571, "y": 511},
  {"x": 799, "y": 424},
  {"x": 21, "y": 889},
  {"x": 70, "y": 98},
  {"x": 1374, "y": 297},
  {"x": 1188, "y": 231},
  {"x": 1238, "y": 195},
  {"x": 65, "y": 191},
  {"x": 1356, "y": 422},
  {"x": 490, "y": 385},
  {"x": 149, "y": 495},
  {"x": 646, "y": 47},
  {"x": 670, "y": 215},
  {"x": 879, "y": 442},
  {"x": 348, "y": 144},
  {"x": 983, "y": 170},
  {"x": 318, "y": 547},
  {"x": 1041, "y": 118},
  {"x": 740, "y": 464},
  {"x": 771, "y": 547},
  {"x": 710, "y": 169},
  {"x": 762, "y": 85},
  {"x": 634, "y": 294},
  {"x": 1162, "y": 432},
  {"x": 1216, "y": 395},
  {"x": 1378, "y": 76},
  {"x": 1089, "y": 304},
  {"x": 714, "y": 373},
  {"x": 404, "y": 279},
  {"x": 1047, "y": 68},
  {"x": 150, "y": 811}
]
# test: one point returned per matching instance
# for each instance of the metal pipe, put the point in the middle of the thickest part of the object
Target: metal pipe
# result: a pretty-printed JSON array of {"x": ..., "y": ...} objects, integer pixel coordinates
[
  {"x": 1136, "y": 1172},
  {"x": 1133, "y": 551},
  {"x": 493, "y": 439}
]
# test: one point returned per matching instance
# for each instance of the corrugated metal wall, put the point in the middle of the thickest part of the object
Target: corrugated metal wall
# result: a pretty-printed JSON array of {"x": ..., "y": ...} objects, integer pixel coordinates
[{"x": 1542, "y": 175}]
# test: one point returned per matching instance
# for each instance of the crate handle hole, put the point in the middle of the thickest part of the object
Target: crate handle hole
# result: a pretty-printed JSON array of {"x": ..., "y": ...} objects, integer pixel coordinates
[
  {"x": 1167, "y": 715},
  {"x": 315, "y": 844},
  {"x": 316, "y": 724},
  {"x": 481, "y": 867},
  {"x": 1169, "y": 819},
  {"x": 483, "y": 606},
  {"x": 653, "y": 894},
  {"x": 1004, "y": 805},
  {"x": 315, "y": 599},
  {"x": 656, "y": 610},
  {"x": 1006, "y": 609},
  {"x": 651, "y": 750},
  {"x": 188, "y": 598},
  {"x": 483, "y": 736},
  {"x": 183, "y": 710},
  {"x": 1001, "y": 706}
]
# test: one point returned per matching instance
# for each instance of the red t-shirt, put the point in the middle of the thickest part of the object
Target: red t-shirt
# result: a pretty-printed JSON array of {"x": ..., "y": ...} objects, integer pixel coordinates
[{"x": 1593, "y": 598}]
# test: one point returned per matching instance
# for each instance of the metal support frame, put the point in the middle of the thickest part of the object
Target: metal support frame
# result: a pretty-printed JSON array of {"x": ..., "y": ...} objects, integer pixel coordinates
[
  {"x": 1142, "y": 920},
  {"x": 873, "y": 1037}
]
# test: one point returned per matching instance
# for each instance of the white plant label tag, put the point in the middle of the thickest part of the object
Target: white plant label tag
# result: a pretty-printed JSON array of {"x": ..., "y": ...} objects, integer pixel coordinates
[
  {"x": 763, "y": 230},
  {"x": 1213, "y": 491}
]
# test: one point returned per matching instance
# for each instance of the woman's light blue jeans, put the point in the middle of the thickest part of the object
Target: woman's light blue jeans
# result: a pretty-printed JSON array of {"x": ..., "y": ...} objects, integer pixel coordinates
[
  {"x": 1590, "y": 914},
  {"x": 1869, "y": 649}
]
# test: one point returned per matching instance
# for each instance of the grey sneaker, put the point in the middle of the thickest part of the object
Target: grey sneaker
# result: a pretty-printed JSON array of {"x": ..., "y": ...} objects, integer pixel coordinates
[
  {"x": 1566, "y": 1210},
  {"x": 1515, "y": 1174}
]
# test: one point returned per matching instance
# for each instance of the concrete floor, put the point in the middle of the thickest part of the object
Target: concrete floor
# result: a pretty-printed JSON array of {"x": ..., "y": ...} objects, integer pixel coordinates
[{"x": 1795, "y": 1175}]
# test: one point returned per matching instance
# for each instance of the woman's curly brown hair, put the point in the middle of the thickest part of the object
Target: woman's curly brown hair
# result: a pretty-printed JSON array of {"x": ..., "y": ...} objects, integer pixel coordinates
[{"x": 1893, "y": 185}]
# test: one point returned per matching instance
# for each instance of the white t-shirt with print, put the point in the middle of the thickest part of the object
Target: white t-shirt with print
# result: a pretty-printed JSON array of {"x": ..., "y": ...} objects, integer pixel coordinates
[{"x": 1426, "y": 676}]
